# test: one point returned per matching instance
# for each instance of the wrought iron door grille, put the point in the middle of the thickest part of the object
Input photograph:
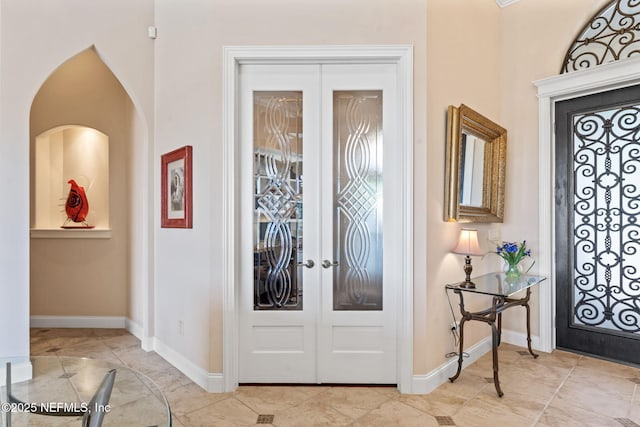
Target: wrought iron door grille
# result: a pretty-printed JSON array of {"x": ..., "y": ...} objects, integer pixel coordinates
[{"x": 606, "y": 204}]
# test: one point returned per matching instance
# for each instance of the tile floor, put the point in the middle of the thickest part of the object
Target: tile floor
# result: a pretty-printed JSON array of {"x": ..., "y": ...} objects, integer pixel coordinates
[{"x": 558, "y": 389}]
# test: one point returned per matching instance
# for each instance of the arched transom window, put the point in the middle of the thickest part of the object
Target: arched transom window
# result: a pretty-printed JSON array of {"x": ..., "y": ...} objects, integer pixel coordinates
[{"x": 612, "y": 34}]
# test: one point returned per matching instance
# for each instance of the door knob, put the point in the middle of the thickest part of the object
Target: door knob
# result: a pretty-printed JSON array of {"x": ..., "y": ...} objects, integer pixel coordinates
[
  {"x": 326, "y": 263},
  {"x": 308, "y": 264}
]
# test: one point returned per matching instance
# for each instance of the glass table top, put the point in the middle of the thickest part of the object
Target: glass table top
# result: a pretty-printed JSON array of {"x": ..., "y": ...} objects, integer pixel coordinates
[
  {"x": 497, "y": 285},
  {"x": 135, "y": 399}
]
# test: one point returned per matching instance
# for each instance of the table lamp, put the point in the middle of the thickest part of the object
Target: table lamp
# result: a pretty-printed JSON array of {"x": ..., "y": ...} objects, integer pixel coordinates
[{"x": 468, "y": 245}]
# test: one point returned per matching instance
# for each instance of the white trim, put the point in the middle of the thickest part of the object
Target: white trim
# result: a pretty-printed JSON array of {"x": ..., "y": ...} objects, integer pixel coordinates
[
  {"x": 21, "y": 370},
  {"x": 546, "y": 235},
  {"x": 339, "y": 54},
  {"x": 229, "y": 178},
  {"x": 520, "y": 339},
  {"x": 402, "y": 55},
  {"x": 77, "y": 322},
  {"x": 108, "y": 322},
  {"x": 505, "y": 3},
  {"x": 211, "y": 382},
  {"x": 601, "y": 78},
  {"x": 405, "y": 316},
  {"x": 426, "y": 383},
  {"x": 136, "y": 329}
]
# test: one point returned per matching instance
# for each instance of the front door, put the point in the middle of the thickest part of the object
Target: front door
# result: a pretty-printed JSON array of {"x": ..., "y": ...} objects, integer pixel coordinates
[
  {"x": 320, "y": 240},
  {"x": 597, "y": 227}
]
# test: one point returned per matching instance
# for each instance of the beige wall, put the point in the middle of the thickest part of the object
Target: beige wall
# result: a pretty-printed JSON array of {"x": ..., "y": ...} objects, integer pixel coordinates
[
  {"x": 536, "y": 35},
  {"x": 487, "y": 58},
  {"x": 80, "y": 277},
  {"x": 464, "y": 67},
  {"x": 37, "y": 36},
  {"x": 189, "y": 100},
  {"x": 462, "y": 47}
]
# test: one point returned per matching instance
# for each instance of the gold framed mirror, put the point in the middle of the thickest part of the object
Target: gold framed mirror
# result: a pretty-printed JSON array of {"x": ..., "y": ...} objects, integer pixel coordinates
[{"x": 476, "y": 154}]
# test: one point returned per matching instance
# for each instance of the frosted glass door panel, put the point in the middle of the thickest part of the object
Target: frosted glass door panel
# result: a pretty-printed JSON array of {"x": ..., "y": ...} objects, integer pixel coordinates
[
  {"x": 606, "y": 153},
  {"x": 358, "y": 200},
  {"x": 277, "y": 200}
]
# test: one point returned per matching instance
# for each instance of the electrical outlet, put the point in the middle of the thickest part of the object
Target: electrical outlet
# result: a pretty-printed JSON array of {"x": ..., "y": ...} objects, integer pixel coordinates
[{"x": 180, "y": 327}]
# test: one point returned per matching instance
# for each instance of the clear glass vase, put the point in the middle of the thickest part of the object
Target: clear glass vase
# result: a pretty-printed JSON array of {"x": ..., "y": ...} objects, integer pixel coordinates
[{"x": 512, "y": 271}]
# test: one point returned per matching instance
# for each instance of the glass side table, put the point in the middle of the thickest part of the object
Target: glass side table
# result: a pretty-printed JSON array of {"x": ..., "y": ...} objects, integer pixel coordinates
[{"x": 501, "y": 290}]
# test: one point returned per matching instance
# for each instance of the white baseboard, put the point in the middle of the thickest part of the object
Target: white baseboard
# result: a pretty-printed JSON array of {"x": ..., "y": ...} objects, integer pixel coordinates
[
  {"x": 77, "y": 322},
  {"x": 146, "y": 343},
  {"x": 425, "y": 384},
  {"x": 21, "y": 370},
  {"x": 211, "y": 382},
  {"x": 520, "y": 339},
  {"x": 134, "y": 328}
]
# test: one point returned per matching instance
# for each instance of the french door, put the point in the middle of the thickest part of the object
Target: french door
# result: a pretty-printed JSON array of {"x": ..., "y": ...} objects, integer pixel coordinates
[
  {"x": 597, "y": 224},
  {"x": 320, "y": 240}
]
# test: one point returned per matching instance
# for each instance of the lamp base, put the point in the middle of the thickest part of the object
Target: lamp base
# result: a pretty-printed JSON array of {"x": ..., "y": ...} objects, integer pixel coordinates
[
  {"x": 467, "y": 272},
  {"x": 467, "y": 284}
]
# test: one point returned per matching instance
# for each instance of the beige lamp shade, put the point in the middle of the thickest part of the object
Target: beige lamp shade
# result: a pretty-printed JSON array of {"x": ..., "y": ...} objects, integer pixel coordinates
[{"x": 468, "y": 243}]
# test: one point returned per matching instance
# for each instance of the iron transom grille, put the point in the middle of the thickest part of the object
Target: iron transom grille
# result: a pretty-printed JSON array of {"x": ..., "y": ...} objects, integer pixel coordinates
[{"x": 612, "y": 34}]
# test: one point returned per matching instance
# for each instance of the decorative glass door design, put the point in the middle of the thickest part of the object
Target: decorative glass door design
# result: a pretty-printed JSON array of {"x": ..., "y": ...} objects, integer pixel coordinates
[
  {"x": 278, "y": 200},
  {"x": 599, "y": 140},
  {"x": 358, "y": 200},
  {"x": 357, "y": 204}
]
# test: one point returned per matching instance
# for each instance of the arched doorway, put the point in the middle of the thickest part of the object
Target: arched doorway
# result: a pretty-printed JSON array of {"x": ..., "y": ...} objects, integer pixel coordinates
[{"x": 91, "y": 277}]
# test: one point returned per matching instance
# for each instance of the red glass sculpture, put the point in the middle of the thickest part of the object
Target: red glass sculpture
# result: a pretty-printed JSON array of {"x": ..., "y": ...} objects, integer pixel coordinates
[{"x": 77, "y": 206}]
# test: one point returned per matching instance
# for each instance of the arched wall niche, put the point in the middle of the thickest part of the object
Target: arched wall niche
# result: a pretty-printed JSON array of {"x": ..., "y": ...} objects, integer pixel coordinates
[
  {"x": 67, "y": 153},
  {"x": 91, "y": 276}
]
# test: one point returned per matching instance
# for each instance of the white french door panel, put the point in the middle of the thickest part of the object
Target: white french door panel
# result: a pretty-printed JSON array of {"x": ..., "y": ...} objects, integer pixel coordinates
[
  {"x": 361, "y": 344},
  {"x": 319, "y": 343},
  {"x": 278, "y": 345}
]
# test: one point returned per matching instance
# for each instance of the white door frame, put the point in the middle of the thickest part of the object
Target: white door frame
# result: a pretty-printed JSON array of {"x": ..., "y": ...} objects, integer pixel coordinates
[
  {"x": 233, "y": 57},
  {"x": 601, "y": 78}
]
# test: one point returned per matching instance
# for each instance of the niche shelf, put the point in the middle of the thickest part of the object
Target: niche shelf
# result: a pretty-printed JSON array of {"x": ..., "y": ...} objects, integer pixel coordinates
[{"x": 61, "y": 154}]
